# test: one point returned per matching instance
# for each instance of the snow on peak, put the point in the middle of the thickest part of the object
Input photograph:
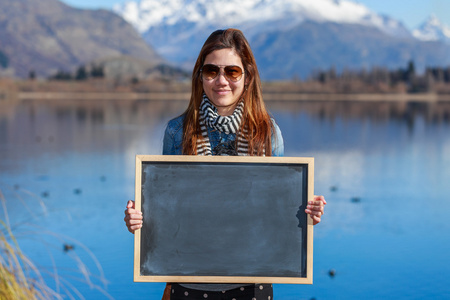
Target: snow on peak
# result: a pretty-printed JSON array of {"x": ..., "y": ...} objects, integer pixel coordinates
[
  {"x": 432, "y": 30},
  {"x": 145, "y": 14}
]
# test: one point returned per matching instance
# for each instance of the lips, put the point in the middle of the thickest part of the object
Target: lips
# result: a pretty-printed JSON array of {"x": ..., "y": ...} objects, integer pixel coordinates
[{"x": 222, "y": 92}]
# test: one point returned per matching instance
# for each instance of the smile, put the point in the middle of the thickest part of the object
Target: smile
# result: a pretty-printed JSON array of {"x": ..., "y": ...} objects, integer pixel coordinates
[{"x": 222, "y": 92}]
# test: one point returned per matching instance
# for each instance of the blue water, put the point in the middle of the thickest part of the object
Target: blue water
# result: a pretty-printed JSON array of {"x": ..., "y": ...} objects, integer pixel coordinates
[{"x": 67, "y": 169}]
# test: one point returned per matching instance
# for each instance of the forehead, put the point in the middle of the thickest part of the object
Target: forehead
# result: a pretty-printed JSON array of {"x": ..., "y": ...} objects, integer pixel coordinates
[{"x": 223, "y": 57}]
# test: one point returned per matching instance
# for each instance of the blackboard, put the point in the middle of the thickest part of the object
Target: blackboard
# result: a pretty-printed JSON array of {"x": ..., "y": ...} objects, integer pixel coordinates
[{"x": 228, "y": 219}]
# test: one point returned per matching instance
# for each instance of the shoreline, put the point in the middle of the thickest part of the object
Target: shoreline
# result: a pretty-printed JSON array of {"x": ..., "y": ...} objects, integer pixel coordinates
[{"x": 269, "y": 96}]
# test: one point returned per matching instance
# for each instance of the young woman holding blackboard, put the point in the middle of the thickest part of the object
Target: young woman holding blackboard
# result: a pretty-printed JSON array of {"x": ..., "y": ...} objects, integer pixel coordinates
[{"x": 226, "y": 116}]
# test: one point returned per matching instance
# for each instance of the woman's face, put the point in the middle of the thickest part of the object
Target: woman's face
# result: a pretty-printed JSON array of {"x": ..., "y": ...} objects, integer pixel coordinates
[{"x": 223, "y": 92}]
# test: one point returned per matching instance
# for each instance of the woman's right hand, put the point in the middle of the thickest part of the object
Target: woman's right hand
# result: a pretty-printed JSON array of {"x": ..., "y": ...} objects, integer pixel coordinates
[{"x": 133, "y": 218}]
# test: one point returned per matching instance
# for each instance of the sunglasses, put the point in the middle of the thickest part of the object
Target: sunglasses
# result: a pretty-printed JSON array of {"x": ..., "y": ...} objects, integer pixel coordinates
[{"x": 232, "y": 73}]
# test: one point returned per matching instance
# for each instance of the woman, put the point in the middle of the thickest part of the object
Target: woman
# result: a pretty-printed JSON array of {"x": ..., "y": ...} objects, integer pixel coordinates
[{"x": 226, "y": 115}]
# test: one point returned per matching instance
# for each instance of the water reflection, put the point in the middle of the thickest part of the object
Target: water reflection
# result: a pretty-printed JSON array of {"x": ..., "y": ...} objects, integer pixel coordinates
[
  {"x": 402, "y": 112},
  {"x": 78, "y": 158}
]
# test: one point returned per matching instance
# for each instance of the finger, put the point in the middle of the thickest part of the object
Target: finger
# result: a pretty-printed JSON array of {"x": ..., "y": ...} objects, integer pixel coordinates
[
  {"x": 317, "y": 214},
  {"x": 133, "y": 225},
  {"x": 132, "y": 211},
  {"x": 132, "y": 228},
  {"x": 320, "y": 198},
  {"x": 134, "y": 222},
  {"x": 315, "y": 207},
  {"x": 138, "y": 217},
  {"x": 316, "y": 203},
  {"x": 130, "y": 207},
  {"x": 314, "y": 212},
  {"x": 316, "y": 220}
]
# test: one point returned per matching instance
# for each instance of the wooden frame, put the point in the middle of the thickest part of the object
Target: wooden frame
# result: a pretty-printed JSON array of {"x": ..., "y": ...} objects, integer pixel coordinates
[{"x": 246, "y": 213}]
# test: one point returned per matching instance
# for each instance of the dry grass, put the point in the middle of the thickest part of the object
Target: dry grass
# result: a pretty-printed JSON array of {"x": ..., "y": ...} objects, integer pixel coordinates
[{"x": 20, "y": 278}]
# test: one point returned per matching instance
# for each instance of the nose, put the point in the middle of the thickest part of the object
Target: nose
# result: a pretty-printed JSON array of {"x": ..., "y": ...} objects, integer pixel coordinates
[{"x": 221, "y": 79}]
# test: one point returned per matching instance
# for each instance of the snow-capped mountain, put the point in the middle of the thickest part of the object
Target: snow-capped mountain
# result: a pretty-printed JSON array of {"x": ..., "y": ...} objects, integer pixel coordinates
[
  {"x": 288, "y": 37},
  {"x": 167, "y": 24},
  {"x": 147, "y": 14},
  {"x": 433, "y": 30}
]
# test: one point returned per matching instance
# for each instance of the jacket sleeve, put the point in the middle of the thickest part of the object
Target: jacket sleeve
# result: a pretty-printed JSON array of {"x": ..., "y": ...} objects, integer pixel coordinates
[
  {"x": 277, "y": 141},
  {"x": 168, "y": 142},
  {"x": 173, "y": 137}
]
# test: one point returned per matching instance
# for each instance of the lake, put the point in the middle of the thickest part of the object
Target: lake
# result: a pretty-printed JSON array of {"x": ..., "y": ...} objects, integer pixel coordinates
[{"x": 67, "y": 169}]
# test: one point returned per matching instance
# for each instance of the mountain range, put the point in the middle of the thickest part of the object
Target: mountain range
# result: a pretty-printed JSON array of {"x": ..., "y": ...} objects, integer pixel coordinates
[
  {"x": 432, "y": 30},
  {"x": 290, "y": 38},
  {"x": 45, "y": 36}
]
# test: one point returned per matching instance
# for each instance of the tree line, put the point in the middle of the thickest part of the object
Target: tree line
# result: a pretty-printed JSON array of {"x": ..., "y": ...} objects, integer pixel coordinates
[
  {"x": 377, "y": 76},
  {"x": 377, "y": 79},
  {"x": 82, "y": 73}
]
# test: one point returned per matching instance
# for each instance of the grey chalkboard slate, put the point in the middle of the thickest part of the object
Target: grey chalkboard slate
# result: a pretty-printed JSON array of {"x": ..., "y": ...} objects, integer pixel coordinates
[{"x": 224, "y": 219}]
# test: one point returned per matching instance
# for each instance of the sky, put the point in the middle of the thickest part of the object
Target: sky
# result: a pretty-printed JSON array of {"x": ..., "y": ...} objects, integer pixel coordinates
[{"x": 411, "y": 12}]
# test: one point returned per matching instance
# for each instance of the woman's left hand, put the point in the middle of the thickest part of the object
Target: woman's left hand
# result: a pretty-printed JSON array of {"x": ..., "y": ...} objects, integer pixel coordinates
[{"x": 315, "y": 208}]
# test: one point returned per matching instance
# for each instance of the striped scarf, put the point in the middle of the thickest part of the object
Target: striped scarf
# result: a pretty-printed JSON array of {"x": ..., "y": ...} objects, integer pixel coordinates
[{"x": 227, "y": 124}]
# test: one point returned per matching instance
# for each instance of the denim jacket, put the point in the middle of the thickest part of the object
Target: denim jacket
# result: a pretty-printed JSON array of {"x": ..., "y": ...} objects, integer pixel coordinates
[{"x": 173, "y": 138}]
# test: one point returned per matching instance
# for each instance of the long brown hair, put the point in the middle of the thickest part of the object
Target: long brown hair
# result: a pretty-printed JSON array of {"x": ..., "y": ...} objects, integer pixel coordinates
[{"x": 256, "y": 118}]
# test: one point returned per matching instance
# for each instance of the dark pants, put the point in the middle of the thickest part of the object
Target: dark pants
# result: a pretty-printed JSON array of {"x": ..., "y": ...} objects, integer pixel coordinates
[{"x": 249, "y": 292}]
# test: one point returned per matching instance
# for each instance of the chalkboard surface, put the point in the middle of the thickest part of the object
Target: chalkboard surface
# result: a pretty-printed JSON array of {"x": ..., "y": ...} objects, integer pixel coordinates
[{"x": 223, "y": 219}]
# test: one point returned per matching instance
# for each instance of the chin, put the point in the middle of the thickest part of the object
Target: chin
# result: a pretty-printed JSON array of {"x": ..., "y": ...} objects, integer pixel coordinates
[{"x": 223, "y": 101}]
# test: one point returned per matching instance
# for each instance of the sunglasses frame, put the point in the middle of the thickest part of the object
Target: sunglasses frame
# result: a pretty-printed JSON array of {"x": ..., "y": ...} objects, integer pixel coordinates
[{"x": 220, "y": 67}]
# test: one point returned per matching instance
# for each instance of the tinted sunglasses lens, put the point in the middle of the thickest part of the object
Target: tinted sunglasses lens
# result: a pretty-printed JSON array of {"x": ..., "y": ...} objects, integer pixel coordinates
[
  {"x": 234, "y": 73},
  {"x": 210, "y": 71}
]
